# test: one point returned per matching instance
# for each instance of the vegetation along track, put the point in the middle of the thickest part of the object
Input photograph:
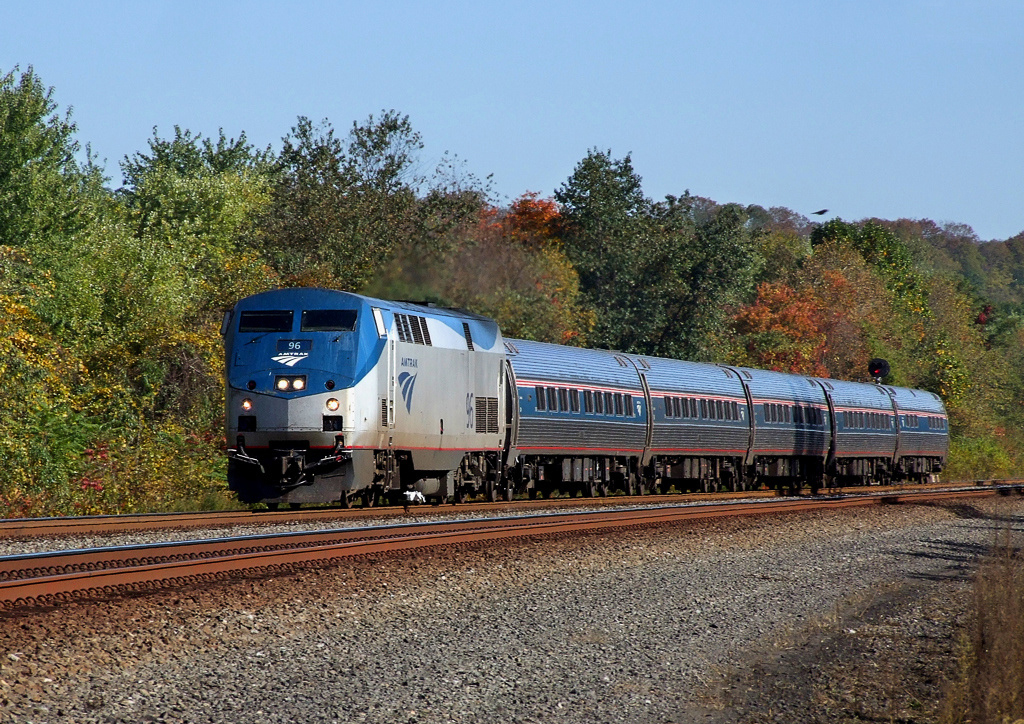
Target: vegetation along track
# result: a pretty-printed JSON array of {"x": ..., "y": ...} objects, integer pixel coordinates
[
  {"x": 108, "y": 524},
  {"x": 57, "y": 577}
]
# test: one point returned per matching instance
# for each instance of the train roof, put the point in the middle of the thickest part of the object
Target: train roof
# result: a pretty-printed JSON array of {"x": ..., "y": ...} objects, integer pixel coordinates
[
  {"x": 558, "y": 364},
  {"x": 917, "y": 400},
  {"x": 767, "y": 385},
  {"x": 857, "y": 394},
  {"x": 323, "y": 294},
  {"x": 671, "y": 376}
]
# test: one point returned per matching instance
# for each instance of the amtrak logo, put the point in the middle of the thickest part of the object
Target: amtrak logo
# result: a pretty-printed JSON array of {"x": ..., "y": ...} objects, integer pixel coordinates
[
  {"x": 290, "y": 359},
  {"x": 407, "y": 381}
]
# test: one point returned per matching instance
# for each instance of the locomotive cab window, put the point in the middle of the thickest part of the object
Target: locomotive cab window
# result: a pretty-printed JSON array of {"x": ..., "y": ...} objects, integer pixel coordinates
[
  {"x": 265, "y": 321},
  {"x": 328, "y": 320}
]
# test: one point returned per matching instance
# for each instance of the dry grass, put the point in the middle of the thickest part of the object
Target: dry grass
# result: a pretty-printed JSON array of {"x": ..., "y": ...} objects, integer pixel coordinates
[{"x": 991, "y": 685}]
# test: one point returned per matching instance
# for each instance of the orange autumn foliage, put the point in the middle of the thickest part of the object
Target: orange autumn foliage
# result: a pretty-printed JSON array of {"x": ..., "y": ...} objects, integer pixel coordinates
[
  {"x": 784, "y": 330},
  {"x": 532, "y": 220}
]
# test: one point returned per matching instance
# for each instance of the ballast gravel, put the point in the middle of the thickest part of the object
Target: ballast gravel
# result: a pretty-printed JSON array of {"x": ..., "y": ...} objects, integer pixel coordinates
[
  {"x": 649, "y": 625},
  {"x": 419, "y": 514}
]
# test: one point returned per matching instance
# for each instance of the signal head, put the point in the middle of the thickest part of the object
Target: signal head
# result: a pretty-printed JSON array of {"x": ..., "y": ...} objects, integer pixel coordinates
[{"x": 878, "y": 368}]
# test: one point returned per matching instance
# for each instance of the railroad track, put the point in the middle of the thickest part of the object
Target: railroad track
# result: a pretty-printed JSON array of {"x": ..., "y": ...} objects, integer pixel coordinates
[
  {"x": 44, "y": 579},
  {"x": 110, "y": 524}
]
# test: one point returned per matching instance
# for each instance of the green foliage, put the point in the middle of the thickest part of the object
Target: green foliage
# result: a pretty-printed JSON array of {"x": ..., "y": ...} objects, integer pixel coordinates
[
  {"x": 657, "y": 276},
  {"x": 111, "y": 365},
  {"x": 507, "y": 265},
  {"x": 338, "y": 208},
  {"x": 41, "y": 184},
  {"x": 980, "y": 458}
]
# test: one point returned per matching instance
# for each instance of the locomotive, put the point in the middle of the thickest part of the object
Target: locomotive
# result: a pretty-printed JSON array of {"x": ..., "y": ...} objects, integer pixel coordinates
[{"x": 335, "y": 397}]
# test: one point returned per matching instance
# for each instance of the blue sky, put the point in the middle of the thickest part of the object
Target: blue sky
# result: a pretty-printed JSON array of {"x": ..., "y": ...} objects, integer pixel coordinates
[{"x": 888, "y": 109}]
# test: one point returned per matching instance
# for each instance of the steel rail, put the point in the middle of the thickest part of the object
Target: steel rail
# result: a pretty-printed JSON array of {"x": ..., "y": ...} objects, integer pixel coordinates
[
  {"x": 107, "y": 524},
  {"x": 55, "y": 577}
]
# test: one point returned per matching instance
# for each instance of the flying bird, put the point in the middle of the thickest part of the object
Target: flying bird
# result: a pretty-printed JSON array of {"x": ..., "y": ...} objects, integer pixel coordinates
[{"x": 819, "y": 213}]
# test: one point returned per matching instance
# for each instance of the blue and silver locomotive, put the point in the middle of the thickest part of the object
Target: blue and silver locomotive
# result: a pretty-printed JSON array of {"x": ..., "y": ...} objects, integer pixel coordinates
[{"x": 333, "y": 396}]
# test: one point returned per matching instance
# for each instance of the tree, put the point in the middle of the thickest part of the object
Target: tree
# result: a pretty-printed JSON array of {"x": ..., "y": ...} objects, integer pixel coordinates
[
  {"x": 506, "y": 264},
  {"x": 782, "y": 330},
  {"x": 338, "y": 208},
  {"x": 610, "y": 238},
  {"x": 44, "y": 190}
]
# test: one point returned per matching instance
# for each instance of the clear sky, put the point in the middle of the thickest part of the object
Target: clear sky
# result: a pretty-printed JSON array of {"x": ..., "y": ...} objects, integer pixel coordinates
[{"x": 868, "y": 108}]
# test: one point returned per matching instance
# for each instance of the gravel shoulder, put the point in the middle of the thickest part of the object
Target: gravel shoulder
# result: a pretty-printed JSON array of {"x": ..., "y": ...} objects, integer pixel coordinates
[{"x": 840, "y": 616}]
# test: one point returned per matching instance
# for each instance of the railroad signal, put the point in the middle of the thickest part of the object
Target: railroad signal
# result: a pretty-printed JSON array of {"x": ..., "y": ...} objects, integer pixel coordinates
[{"x": 878, "y": 368}]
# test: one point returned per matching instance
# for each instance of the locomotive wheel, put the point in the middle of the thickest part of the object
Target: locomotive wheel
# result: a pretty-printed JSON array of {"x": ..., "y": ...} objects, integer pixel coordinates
[
  {"x": 492, "y": 493},
  {"x": 346, "y": 500},
  {"x": 630, "y": 486},
  {"x": 460, "y": 495},
  {"x": 273, "y": 506},
  {"x": 532, "y": 493},
  {"x": 509, "y": 492},
  {"x": 602, "y": 490},
  {"x": 589, "y": 489},
  {"x": 369, "y": 498}
]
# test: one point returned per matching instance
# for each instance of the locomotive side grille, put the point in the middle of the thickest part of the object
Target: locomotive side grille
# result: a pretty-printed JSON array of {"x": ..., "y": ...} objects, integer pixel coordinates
[
  {"x": 481, "y": 414},
  {"x": 383, "y": 412},
  {"x": 487, "y": 415},
  {"x": 412, "y": 329},
  {"x": 492, "y": 415},
  {"x": 469, "y": 336},
  {"x": 417, "y": 331},
  {"x": 402, "y": 322}
]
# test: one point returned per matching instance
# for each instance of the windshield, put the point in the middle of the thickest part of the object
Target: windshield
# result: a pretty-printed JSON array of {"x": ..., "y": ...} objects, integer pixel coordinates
[
  {"x": 265, "y": 321},
  {"x": 328, "y": 320}
]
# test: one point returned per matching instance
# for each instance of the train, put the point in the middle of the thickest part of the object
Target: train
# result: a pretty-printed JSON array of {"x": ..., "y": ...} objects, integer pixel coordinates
[{"x": 338, "y": 398}]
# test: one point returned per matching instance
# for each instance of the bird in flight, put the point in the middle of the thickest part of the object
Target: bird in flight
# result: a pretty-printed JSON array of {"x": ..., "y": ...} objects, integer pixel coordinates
[{"x": 819, "y": 213}]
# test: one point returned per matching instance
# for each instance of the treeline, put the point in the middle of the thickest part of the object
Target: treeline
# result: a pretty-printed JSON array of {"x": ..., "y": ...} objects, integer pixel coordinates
[{"x": 111, "y": 294}]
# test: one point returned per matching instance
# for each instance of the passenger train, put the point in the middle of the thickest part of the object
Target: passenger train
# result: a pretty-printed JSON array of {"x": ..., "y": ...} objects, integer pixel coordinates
[{"x": 335, "y": 397}]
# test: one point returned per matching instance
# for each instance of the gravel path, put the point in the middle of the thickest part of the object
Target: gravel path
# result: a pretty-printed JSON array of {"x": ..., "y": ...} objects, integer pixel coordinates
[{"x": 692, "y": 622}]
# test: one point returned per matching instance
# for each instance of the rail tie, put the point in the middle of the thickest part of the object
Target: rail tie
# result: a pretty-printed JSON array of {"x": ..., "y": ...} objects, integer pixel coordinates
[{"x": 47, "y": 579}]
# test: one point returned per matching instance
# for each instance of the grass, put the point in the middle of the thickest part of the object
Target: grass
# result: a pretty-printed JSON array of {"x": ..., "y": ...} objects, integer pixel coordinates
[{"x": 990, "y": 688}]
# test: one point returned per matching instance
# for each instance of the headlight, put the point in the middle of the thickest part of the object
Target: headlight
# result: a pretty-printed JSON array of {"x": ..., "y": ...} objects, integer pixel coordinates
[
  {"x": 246, "y": 404},
  {"x": 286, "y": 383},
  {"x": 333, "y": 404}
]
